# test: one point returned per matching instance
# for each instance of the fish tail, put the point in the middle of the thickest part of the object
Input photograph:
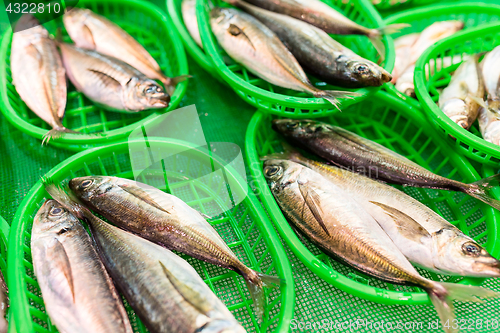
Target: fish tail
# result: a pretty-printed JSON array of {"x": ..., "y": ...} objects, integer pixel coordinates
[
  {"x": 56, "y": 133},
  {"x": 479, "y": 190},
  {"x": 393, "y": 28},
  {"x": 333, "y": 95},
  {"x": 68, "y": 201},
  {"x": 255, "y": 283},
  {"x": 442, "y": 295},
  {"x": 376, "y": 36},
  {"x": 171, "y": 82}
]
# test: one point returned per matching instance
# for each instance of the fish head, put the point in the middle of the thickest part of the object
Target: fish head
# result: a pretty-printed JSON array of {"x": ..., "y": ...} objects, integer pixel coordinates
[
  {"x": 298, "y": 129},
  {"x": 146, "y": 94},
  {"x": 89, "y": 187},
  {"x": 53, "y": 218},
  {"x": 456, "y": 109},
  {"x": 29, "y": 25},
  {"x": 222, "y": 21},
  {"x": 367, "y": 72},
  {"x": 281, "y": 173},
  {"x": 460, "y": 253}
]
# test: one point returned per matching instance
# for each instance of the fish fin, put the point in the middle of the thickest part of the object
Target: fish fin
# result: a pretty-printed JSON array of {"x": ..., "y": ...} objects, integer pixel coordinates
[
  {"x": 255, "y": 282},
  {"x": 89, "y": 37},
  {"x": 58, "y": 270},
  {"x": 145, "y": 196},
  {"x": 58, "y": 37},
  {"x": 376, "y": 40},
  {"x": 56, "y": 133},
  {"x": 171, "y": 82},
  {"x": 406, "y": 224},
  {"x": 442, "y": 295},
  {"x": 192, "y": 296},
  {"x": 106, "y": 80},
  {"x": 312, "y": 200},
  {"x": 478, "y": 100},
  {"x": 376, "y": 36},
  {"x": 333, "y": 95},
  {"x": 393, "y": 28},
  {"x": 479, "y": 190}
]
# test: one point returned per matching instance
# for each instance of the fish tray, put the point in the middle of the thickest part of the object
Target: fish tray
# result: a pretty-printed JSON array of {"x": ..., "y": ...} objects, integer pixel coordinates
[
  {"x": 244, "y": 227},
  {"x": 472, "y": 14},
  {"x": 470, "y": 143},
  {"x": 100, "y": 127},
  {"x": 286, "y": 102},
  {"x": 390, "y": 122}
]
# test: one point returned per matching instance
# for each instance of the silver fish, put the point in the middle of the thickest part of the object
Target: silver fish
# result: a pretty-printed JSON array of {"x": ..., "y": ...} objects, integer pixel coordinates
[
  {"x": 318, "y": 53},
  {"x": 403, "y": 53},
  {"x": 78, "y": 293},
  {"x": 94, "y": 32},
  {"x": 459, "y": 99},
  {"x": 489, "y": 124},
  {"x": 188, "y": 8},
  {"x": 255, "y": 46},
  {"x": 343, "y": 228},
  {"x": 111, "y": 82},
  {"x": 163, "y": 289},
  {"x": 39, "y": 75},
  {"x": 489, "y": 113}
]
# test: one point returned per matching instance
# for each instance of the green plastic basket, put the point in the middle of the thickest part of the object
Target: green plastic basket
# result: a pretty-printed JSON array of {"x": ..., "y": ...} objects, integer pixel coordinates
[
  {"x": 196, "y": 52},
  {"x": 245, "y": 228},
  {"x": 138, "y": 18},
  {"x": 470, "y": 143},
  {"x": 4, "y": 237},
  {"x": 394, "y": 5},
  {"x": 472, "y": 14},
  {"x": 286, "y": 102},
  {"x": 390, "y": 122}
]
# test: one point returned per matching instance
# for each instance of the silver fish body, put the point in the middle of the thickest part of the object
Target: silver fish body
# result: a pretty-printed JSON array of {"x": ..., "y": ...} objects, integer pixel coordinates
[
  {"x": 489, "y": 125},
  {"x": 111, "y": 82},
  {"x": 491, "y": 73},
  {"x": 78, "y": 293},
  {"x": 403, "y": 46},
  {"x": 188, "y": 9}
]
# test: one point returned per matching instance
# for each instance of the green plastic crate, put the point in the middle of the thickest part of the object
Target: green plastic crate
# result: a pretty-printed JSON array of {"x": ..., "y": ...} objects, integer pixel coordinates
[
  {"x": 244, "y": 227},
  {"x": 470, "y": 143},
  {"x": 138, "y": 18},
  {"x": 390, "y": 122},
  {"x": 472, "y": 14},
  {"x": 286, "y": 102}
]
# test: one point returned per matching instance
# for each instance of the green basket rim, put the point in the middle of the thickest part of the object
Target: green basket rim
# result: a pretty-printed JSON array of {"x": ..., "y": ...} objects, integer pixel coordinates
[
  {"x": 16, "y": 274},
  {"x": 80, "y": 141},
  {"x": 331, "y": 276},
  {"x": 435, "y": 114},
  {"x": 245, "y": 89},
  {"x": 414, "y": 14}
]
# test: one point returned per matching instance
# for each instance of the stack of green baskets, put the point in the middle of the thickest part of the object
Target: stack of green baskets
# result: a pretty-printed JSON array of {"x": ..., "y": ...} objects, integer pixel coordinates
[
  {"x": 469, "y": 143},
  {"x": 388, "y": 121},
  {"x": 472, "y": 14},
  {"x": 272, "y": 99},
  {"x": 245, "y": 228},
  {"x": 100, "y": 127}
]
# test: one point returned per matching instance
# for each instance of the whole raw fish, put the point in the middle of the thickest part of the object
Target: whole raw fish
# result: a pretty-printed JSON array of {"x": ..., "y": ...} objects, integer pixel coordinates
[
  {"x": 403, "y": 53},
  {"x": 188, "y": 9}
]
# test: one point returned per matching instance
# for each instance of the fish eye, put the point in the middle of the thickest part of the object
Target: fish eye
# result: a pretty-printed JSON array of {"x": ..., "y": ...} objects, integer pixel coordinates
[
  {"x": 292, "y": 126},
  {"x": 272, "y": 170},
  {"x": 86, "y": 183},
  {"x": 151, "y": 89},
  {"x": 471, "y": 249},
  {"x": 362, "y": 69},
  {"x": 56, "y": 211}
]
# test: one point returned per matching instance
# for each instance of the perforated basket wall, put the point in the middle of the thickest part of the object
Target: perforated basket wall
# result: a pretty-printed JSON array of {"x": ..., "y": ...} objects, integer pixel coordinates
[
  {"x": 244, "y": 227},
  {"x": 272, "y": 99},
  {"x": 140, "y": 19},
  {"x": 469, "y": 143},
  {"x": 388, "y": 121},
  {"x": 472, "y": 14}
]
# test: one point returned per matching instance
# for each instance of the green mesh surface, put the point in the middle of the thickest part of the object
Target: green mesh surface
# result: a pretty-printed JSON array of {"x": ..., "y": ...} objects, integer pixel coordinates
[
  {"x": 137, "y": 18},
  {"x": 281, "y": 101},
  {"x": 428, "y": 87},
  {"x": 389, "y": 122},
  {"x": 243, "y": 227},
  {"x": 472, "y": 14}
]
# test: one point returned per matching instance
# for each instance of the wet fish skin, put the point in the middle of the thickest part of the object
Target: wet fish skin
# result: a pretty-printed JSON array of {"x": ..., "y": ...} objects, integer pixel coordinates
[
  {"x": 65, "y": 261},
  {"x": 459, "y": 99},
  {"x": 336, "y": 223},
  {"x": 163, "y": 289},
  {"x": 489, "y": 125},
  {"x": 38, "y": 74},
  {"x": 111, "y": 82},
  {"x": 188, "y": 9},
  {"x": 403, "y": 53},
  {"x": 166, "y": 220},
  {"x": 252, "y": 44},
  {"x": 422, "y": 235},
  {"x": 491, "y": 73},
  {"x": 320, "y": 54}
]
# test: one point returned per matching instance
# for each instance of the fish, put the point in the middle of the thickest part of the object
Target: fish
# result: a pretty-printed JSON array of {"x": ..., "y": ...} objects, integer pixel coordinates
[
  {"x": 110, "y": 82},
  {"x": 340, "y": 226},
  {"x": 327, "y": 19},
  {"x": 165, "y": 292},
  {"x": 349, "y": 150},
  {"x": 402, "y": 47},
  {"x": 255, "y": 46},
  {"x": 78, "y": 293},
  {"x": 95, "y": 32},
  {"x": 318, "y": 53},
  {"x": 38, "y": 74},
  {"x": 168, "y": 221},
  {"x": 489, "y": 124},
  {"x": 490, "y": 67},
  {"x": 423, "y": 236},
  {"x": 459, "y": 99},
  {"x": 4, "y": 304},
  {"x": 188, "y": 9}
]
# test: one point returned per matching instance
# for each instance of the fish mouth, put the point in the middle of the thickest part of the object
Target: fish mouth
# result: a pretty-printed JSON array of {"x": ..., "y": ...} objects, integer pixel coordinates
[
  {"x": 160, "y": 101},
  {"x": 488, "y": 269},
  {"x": 386, "y": 77}
]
